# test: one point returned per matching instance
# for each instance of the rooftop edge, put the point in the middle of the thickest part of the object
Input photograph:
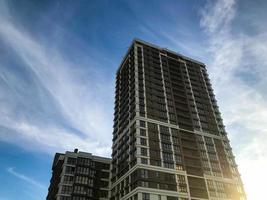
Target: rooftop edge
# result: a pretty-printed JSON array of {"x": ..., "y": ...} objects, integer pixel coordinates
[{"x": 159, "y": 48}]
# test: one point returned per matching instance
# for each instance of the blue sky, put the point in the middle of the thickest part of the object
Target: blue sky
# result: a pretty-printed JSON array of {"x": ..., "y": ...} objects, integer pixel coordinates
[{"x": 57, "y": 69}]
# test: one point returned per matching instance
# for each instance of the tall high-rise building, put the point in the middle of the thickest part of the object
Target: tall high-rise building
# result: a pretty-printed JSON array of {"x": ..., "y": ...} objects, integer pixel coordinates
[
  {"x": 79, "y": 176},
  {"x": 169, "y": 140}
]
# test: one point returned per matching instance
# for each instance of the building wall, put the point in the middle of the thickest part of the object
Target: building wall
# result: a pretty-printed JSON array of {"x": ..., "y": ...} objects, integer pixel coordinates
[
  {"x": 79, "y": 176},
  {"x": 169, "y": 140}
]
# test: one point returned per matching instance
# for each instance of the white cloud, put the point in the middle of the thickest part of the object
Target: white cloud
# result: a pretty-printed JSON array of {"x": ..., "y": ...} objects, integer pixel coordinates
[
  {"x": 85, "y": 101},
  {"x": 23, "y": 177},
  {"x": 218, "y": 16},
  {"x": 82, "y": 101},
  {"x": 49, "y": 139},
  {"x": 237, "y": 70}
]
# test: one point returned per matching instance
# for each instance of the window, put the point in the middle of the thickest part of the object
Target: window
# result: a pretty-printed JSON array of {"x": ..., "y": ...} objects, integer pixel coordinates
[
  {"x": 104, "y": 184},
  {"x": 154, "y": 154},
  {"x": 70, "y": 170},
  {"x": 143, "y": 124},
  {"x": 172, "y": 198},
  {"x": 104, "y": 194},
  {"x": 215, "y": 166},
  {"x": 182, "y": 189},
  {"x": 152, "y": 126},
  {"x": 105, "y": 175},
  {"x": 172, "y": 117},
  {"x": 199, "y": 138},
  {"x": 83, "y": 170},
  {"x": 167, "y": 157},
  {"x": 169, "y": 177},
  {"x": 213, "y": 157},
  {"x": 205, "y": 164},
  {"x": 175, "y": 140},
  {"x": 164, "y": 129},
  {"x": 168, "y": 165},
  {"x": 144, "y": 161},
  {"x": 220, "y": 186},
  {"x": 142, "y": 132},
  {"x": 85, "y": 161},
  {"x": 144, "y": 173},
  {"x": 66, "y": 189},
  {"x": 143, "y": 151},
  {"x": 179, "y": 167},
  {"x": 155, "y": 162},
  {"x": 143, "y": 141},
  {"x": 71, "y": 161},
  {"x": 202, "y": 146},
  {"x": 182, "y": 183},
  {"x": 203, "y": 155},
  {"x": 90, "y": 182},
  {"x": 84, "y": 180},
  {"x": 105, "y": 166},
  {"x": 178, "y": 158},
  {"x": 208, "y": 140},
  {"x": 211, "y": 186},
  {"x": 90, "y": 192},
  {"x": 165, "y": 137},
  {"x": 68, "y": 179},
  {"x": 145, "y": 196},
  {"x": 78, "y": 198},
  {"x": 166, "y": 146},
  {"x": 144, "y": 184},
  {"x": 92, "y": 173},
  {"x": 176, "y": 149},
  {"x": 181, "y": 179},
  {"x": 79, "y": 189},
  {"x": 65, "y": 198}
]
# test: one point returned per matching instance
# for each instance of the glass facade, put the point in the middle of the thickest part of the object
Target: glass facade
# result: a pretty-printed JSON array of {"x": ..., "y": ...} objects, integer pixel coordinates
[{"x": 169, "y": 140}]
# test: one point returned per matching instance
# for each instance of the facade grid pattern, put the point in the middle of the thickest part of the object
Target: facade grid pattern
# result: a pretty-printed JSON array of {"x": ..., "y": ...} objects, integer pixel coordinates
[{"x": 172, "y": 144}]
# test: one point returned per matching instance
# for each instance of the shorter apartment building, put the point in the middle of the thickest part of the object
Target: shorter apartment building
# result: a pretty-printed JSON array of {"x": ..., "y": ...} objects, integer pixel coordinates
[{"x": 79, "y": 176}]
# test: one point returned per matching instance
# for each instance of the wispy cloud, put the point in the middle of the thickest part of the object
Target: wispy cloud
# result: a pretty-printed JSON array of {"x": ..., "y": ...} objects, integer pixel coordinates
[
  {"x": 80, "y": 96},
  {"x": 169, "y": 29},
  {"x": 64, "y": 101},
  {"x": 238, "y": 69},
  {"x": 23, "y": 177}
]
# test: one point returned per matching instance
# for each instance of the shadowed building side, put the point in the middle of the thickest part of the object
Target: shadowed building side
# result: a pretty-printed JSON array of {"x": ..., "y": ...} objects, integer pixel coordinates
[
  {"x": 79, "y": 176},
  {"x": 169, "y": 140}
]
